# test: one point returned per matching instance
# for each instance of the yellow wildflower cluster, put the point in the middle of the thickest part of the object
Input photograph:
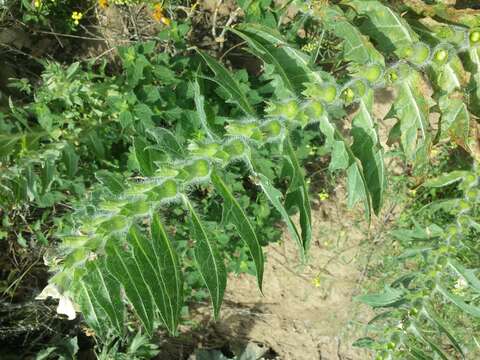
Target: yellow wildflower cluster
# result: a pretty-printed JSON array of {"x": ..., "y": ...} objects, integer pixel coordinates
[
  {"x": 159, "y": 16},
  {"x": 310, "y": 47},
  {"x": 76, "y": 17}
]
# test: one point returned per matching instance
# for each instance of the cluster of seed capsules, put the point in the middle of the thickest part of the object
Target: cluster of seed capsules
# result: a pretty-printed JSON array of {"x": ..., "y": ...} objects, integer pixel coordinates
[
  {"x": 374, "y": 75},
  {"x": 171, "y": 180}
]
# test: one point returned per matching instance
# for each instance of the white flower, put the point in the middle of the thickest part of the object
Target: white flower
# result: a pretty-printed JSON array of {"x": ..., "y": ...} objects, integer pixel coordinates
[
  {"x": 461, "y": 284},
  {"x": 65, "y": 304}
]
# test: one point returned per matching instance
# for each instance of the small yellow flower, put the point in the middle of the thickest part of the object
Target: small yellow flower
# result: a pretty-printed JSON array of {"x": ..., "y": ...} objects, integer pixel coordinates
[
  {"x": 37, "y": 3},
  {"x": 316, "y": 281},
  {"x": 159, "y": 16},
  {"x": 103, "y": 4},
  {"x": 323, "y": 196},
  {"x": 77, "y": 16}
]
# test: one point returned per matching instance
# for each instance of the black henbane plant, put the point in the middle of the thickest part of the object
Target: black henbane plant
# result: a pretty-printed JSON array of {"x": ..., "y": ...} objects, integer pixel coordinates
[{"x": 120, "y": 251}]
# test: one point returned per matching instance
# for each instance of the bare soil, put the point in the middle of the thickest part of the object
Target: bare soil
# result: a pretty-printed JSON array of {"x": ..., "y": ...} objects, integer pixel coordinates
[{"x": 307, "y": 311}]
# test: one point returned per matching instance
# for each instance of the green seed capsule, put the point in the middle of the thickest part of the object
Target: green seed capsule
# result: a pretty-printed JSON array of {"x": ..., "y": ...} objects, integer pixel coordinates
[
  {"x": 235, "y": 148},
  {"x": 406, "y": 52},
  {"x": 348, "y": 95},
  {"x": 272, "y": 129},
  {"x": 474, "y": 37},
  {"x": 136, "y": 208},
  {"x": 116, "y": 223},
  {"x": 287, "y": 109},
  {"x": 359, "y": 88},
  {"x": 371, "y": 73},
  {"x": 168, "y": 189},
  {"x": 444, "y": 32},
  {"x": 204, "y": 149},
  {"x": 441, "y": 56},
  {"x": 138, "y": 189},
  {"x": 75, "y": 257},
  {"x": 420, "y": 54},
  {"x": 392, "y": 76},
  {"x": 166, "y": 171},
  {"x": 112, "y": 205},
  {"x": 74, "y": 241},
  {"x": 314, "y": 110},
  {"x": 199, "y": 168},
  {"x": 328, "y": 93},
  {"x": 241, "y": 129}
]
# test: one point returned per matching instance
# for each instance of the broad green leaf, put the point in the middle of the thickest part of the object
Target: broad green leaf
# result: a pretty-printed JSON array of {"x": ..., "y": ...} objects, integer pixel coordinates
[
  {"x": 356, "y": 46},
  {"x": 442, "y": 327},
  {"x": 167, "y": 141},
  {"x": 95, "y": 144},
  {"x": 467, "y": 274},
  {"x": 112, "y": 181},
  {"x": 209, "y": 262},
  {"x": 388, "y": 297},
  {"x": 8, "y": 143},
  {"x": 448, "y": 77},
  {"x": 344, "y": 158},
  {"x": 339, "y": 158},
  {"x": 386, "y": 24},
  {"x": 291, "y": 64},
  {"x": 364, "y": 343},
  {"x": 169, "y": 268},
  {"x": 200, "y": 107},
  {"x": 455, "y": 120},
  {"x": 418, "y": 353},
  {"x": 154, "y": 277},
  {"x": 70, "y": 159},
  {"x": 297, "y": 193},
  {"x": 458, "y": 301},
  {"x": 412, "y": 110},
  {"x": 357, "y": 187},
  {"x": 475, "y": 80},
  {"x": 103, "y": 291},
  {"x": 233, "y": 213},
  {"x": 367, "y": 149},
  {"x": 144, "y": 156},
  {"x": 446, "y": 179},
  {"x": 224, "y": 78},
  {"x": 421, "y": 336},
  {"x": 94, "y": 315},
  {"x": 275, "y": 196},
  {"x": 124, "y": 266}
]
